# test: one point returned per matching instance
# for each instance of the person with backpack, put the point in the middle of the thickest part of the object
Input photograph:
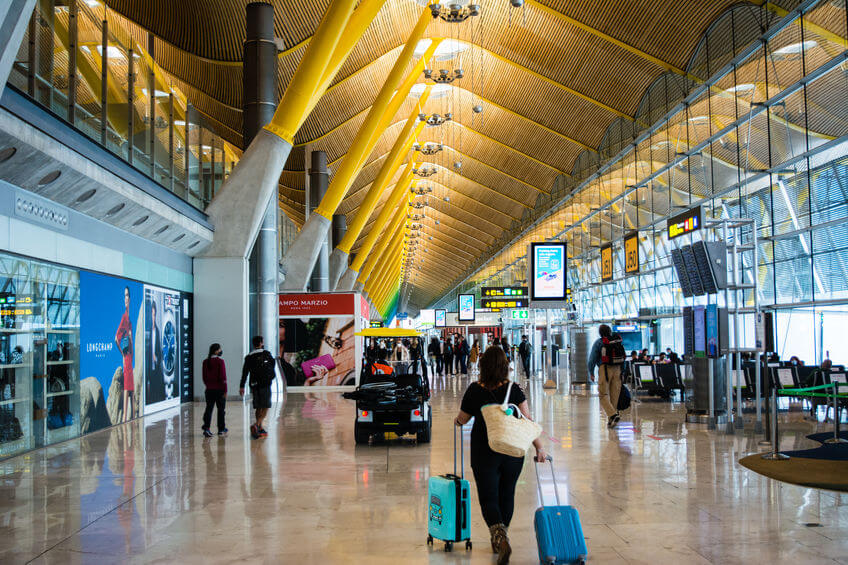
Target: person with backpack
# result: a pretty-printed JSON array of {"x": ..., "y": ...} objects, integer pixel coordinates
[
  {"x": 260, "y": 365},
  {"x": 608, "y": 355}
]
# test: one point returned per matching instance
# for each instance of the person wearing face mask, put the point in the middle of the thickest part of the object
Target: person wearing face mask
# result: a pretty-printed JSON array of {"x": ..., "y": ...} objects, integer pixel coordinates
[{"x": 215, "y": 379}]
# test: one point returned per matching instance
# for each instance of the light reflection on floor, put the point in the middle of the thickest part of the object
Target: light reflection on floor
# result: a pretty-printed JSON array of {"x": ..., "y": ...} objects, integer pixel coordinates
[{"x": 654, "y": 490}]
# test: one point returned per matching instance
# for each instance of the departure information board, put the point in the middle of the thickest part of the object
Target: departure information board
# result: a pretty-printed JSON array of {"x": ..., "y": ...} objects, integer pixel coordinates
[
  {"x": 631, "y": 254},
  {"x": 606, "y": 263},
  {"x": 510, "y": 291},
  {"x": 684, "y": 223},
  {"x": 505, "y": 302}
]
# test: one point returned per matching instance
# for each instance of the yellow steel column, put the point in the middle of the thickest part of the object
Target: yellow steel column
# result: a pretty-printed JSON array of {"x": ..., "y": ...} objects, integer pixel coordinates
[
  {"x": 366, "y": 208},
  {"x": 361, "y": 145},
  {"x": 398, "y": 225},
  {"x": 385, "y": 214},
  {"x": 356, "y": 26},
  {"x": 291, "y": 112},
  {"x": 379, "y": 258},
  {"x": 382, "y": 266}
]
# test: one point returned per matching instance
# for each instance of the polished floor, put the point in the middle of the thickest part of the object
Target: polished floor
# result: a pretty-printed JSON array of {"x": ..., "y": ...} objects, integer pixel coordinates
[{"x": 653, "y": 491}]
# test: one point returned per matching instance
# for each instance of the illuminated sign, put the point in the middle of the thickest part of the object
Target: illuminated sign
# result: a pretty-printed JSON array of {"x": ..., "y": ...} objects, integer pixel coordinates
[
  {"x": 512, "y": 291},
  {"x": 520, "y": 314},
  {"x": 606, "y": 263},
  {"x": 547, "y": 271},
  {"x": 631, "y": 254},
  {"x": 441, "y": 318},
  {"x": 466, "y": 308},
  {"x": 503, "y": 303},
  {"x": 684, "y": 223},
  {"x": 375, "y": 324}
]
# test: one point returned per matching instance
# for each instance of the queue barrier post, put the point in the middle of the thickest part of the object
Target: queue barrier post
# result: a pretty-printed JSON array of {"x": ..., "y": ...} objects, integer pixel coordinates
[
  {"x": 835, "y": 400},
  {"x": 774, "y": 454}
]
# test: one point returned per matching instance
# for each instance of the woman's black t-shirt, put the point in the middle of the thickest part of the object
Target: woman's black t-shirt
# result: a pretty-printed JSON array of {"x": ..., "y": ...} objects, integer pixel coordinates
[{"x": 476, "y": 396}]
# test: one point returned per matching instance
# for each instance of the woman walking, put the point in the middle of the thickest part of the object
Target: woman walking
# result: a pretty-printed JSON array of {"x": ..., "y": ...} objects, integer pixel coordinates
[
  {"x": 474, "y": 356},
  {"x": 496, "y": 474},
  {"x": 215, "y": 379}
]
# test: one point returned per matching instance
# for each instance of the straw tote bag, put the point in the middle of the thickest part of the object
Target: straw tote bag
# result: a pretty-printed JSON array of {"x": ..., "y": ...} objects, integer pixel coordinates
[{"x": 509, "y": 431}]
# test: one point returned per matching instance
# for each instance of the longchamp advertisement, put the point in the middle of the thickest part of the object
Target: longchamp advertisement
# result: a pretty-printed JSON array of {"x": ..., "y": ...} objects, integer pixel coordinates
[{"x": 317, "y": 341}]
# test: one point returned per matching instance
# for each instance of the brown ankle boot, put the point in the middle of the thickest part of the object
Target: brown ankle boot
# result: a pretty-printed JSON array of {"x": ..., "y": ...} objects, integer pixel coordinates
[{"x": 500, "y": 543}]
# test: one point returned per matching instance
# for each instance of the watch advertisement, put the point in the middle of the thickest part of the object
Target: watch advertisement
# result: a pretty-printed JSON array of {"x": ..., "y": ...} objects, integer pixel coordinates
[{"x": 163, "y": 348}]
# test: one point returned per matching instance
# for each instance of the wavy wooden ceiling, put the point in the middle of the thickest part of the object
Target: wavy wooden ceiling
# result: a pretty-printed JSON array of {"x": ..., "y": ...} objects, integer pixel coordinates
[{"x": 552, "y": 77}]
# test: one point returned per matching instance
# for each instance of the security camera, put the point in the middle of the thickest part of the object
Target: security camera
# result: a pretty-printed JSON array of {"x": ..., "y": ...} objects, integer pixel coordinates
[
  {"x": 477, "y": 109},
  {"x": 516, "y": 3}
]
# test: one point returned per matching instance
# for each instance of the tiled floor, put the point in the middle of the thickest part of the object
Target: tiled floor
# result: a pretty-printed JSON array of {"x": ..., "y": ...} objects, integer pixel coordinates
[{"x": 653, "y": 491}]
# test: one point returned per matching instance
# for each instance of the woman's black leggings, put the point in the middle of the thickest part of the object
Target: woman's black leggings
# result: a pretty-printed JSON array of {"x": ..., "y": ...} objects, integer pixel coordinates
[{"x": 496, "y": 475}]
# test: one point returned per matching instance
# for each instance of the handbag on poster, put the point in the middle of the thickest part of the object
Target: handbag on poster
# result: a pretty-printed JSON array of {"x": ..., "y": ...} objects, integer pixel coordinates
[
  {"x": 324, "y": 360},
  {"x": 509, "y": 431}
]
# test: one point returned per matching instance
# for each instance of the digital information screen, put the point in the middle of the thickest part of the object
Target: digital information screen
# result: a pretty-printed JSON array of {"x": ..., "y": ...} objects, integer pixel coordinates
[
  {"x": 466, "y": 307},
  {"x": 606, "y": 263},
  {"x": 631, "y": 254},
  {"x": 687, "y": 222},
  {"x": 700, "y": 330},
  {"x": 441, "y": 318},
  {"x": 547, "y": 271},
  {"x": 508, "y": 291},
  {"x": 500, "y": 303},
  {"x": 428, "y": 317}
]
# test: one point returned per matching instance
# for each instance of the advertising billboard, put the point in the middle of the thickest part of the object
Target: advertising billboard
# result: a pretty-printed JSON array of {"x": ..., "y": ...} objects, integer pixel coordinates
[
  {"x": 111, "y": 350},
  {"x": 547, "y": 271},
  {"x": 441, "y": 318},
  {"x": 163, "y": 346},
  {"x": 466, "y": 307},
  {"x": 427, "y": 317}
]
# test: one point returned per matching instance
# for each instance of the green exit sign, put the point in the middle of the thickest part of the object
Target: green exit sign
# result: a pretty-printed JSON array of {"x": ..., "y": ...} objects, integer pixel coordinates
[{"x": 519, "y": 314}]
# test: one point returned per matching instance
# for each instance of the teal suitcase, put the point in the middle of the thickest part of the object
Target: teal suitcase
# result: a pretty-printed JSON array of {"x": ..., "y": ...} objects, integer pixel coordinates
[
  {"x": 558, "y": 531},
  {"x": 449, "y": 504}
]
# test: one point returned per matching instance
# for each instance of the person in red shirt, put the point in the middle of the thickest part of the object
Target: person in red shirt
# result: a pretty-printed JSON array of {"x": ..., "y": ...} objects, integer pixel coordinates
[
  {"x": 125, "y": 332},
  {"x": 215, "y": 379}
]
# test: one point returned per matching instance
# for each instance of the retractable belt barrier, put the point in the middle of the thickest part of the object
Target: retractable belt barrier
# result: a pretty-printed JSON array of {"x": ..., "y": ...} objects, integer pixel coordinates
[{"x": 809, "y": 392}]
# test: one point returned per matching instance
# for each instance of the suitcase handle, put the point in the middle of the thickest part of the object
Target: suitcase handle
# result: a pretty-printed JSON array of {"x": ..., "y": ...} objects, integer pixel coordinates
[
  {"x": 539, "y": 481},
  {"x": 458, "y": 429}
]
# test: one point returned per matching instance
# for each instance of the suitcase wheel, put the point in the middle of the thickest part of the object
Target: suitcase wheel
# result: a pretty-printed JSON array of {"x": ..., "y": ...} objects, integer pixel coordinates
[
  {"x": 467, "y": 545},
  {"x": 429, "y": 540},
  {"x": 448, "y": 546}
]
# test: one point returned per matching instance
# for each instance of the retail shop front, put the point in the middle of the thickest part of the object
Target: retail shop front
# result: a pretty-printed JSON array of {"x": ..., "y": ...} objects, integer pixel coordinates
[{"x": 80, "y": 351}]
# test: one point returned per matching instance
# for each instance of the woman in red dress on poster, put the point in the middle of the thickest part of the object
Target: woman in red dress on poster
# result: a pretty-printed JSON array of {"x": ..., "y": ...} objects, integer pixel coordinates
[{"x": 125, "y": 331}]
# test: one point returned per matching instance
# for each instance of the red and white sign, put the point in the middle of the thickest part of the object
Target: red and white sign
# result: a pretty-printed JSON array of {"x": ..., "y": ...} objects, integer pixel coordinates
[
  {"x": 317, "y": 305},
  {"x": 364, "y": 310}
]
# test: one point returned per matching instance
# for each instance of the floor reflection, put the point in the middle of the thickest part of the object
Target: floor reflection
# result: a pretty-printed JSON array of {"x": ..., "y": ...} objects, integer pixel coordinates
[{"x": 653, "y": 490}]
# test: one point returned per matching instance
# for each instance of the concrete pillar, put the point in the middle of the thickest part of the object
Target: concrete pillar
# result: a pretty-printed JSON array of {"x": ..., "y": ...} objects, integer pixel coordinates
[
  {"x": 319, "y": 179},
  {"x": 14, "y": 19},
  {"x": 260, "y": 101}
]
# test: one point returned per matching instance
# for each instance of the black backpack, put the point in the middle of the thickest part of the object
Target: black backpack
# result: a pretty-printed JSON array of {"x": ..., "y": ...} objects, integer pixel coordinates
[
  {"x": 612, "y": 350},
  {"x": 264, "y": 370}
]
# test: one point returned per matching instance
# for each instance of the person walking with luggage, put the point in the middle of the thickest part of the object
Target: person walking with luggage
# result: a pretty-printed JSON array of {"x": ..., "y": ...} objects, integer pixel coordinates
[
  {"x": 259, "y": 364},
  {"x": 608, "y": 355},
  {"x": 496, "y": 474},
  {"x": 525, "y": 350},
  {"x": 215, "y": 379}
]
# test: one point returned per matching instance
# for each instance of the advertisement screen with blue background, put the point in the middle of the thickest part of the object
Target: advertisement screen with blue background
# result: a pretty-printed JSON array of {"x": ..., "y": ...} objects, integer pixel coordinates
[
  {"x": 548, "y": 272},
  {"x": 466, "y": 307},
  {"x": 102, "y": 310}
]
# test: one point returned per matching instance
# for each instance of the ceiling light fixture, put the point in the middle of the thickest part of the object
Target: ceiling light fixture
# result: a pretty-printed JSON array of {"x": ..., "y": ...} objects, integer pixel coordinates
[
  {"x": 444, "y": 76},
  {"x": 434, "y": 120},
  {"x": 454, "y": 12},
  {"x": 429, "y": 148},
  {"x": 424, "y": 171}
]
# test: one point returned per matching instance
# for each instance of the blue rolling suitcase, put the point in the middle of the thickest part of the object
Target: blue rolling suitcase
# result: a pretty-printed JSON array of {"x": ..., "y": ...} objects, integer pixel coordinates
[
  {"x": 449, "y": 504},
  {"x": 558, "y": 532}
]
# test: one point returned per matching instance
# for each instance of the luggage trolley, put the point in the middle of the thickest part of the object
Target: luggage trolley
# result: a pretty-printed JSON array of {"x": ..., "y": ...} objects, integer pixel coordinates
[{"x": 398, "y": 402}]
